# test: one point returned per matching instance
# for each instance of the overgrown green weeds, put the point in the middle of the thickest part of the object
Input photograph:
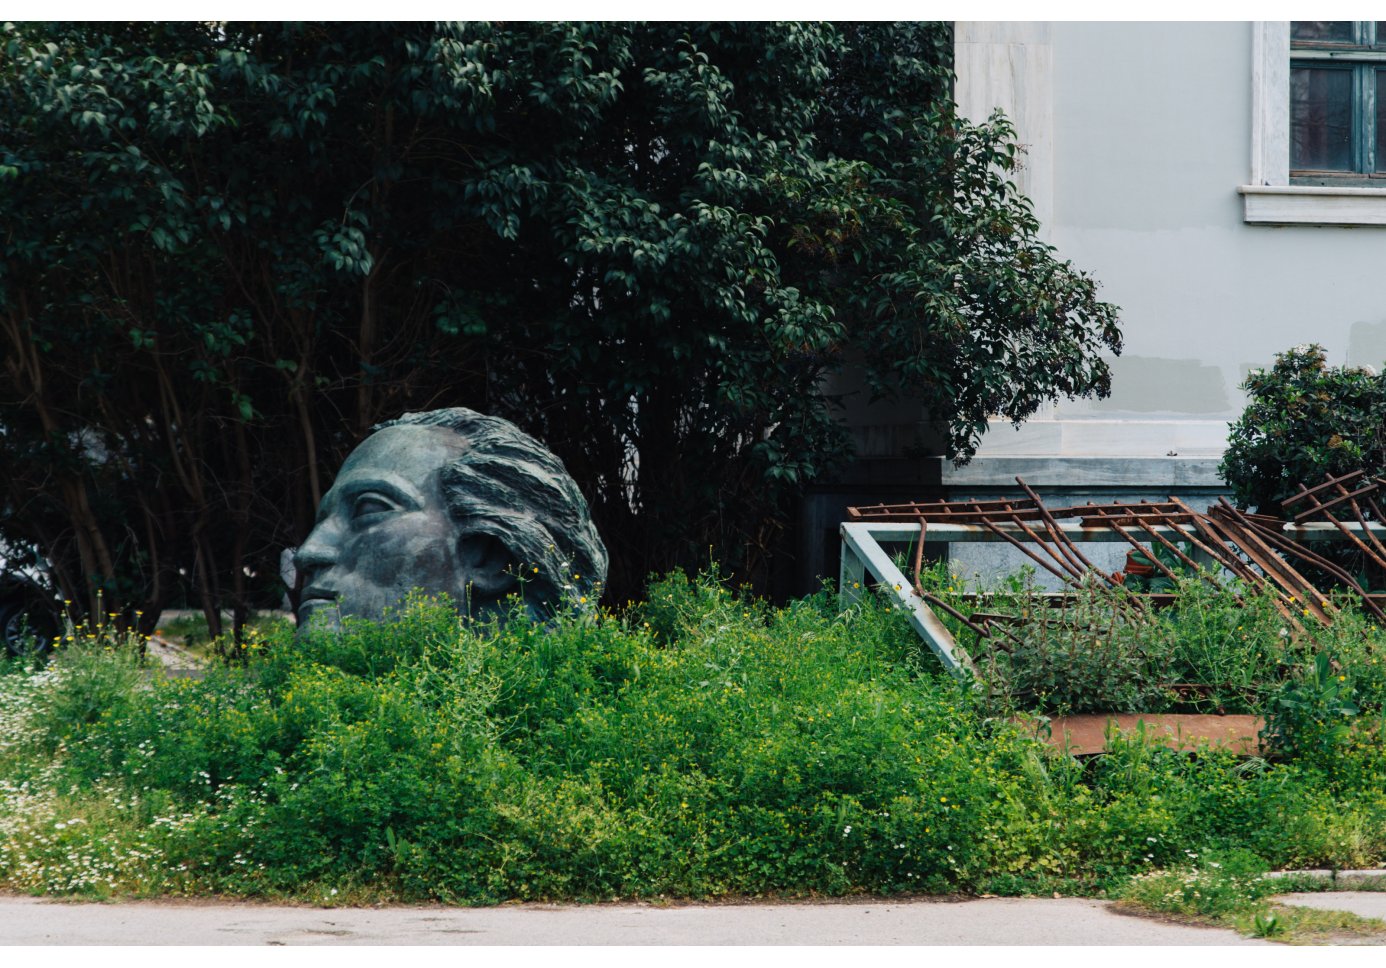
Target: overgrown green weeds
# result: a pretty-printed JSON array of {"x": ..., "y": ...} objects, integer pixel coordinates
[{"x": 701, "y": 744}]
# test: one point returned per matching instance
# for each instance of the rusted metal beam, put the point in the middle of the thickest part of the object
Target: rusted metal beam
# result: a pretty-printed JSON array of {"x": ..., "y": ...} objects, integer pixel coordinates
[
  {"x": 1288, "y": 547},
  {"x": 1067, "y": 547},
  {"x": 1252, "y": 547},
  {"x": 1379, "y": 555},
  {"x": 1138, "y": 508},
  {"x": 1063, "y": 576},
  {"x": 1306, "y": 492},
  {"x": 1369, "y": 489},
  {"x": 1377, "y": 552},
  {"x": 1154, "y": 559},
  {"x": 946, "y": 510},
  {"x": 1271, "y": 564},
  {"x": 1214, "y": 546},
  {"x": 919, "y": 558}
]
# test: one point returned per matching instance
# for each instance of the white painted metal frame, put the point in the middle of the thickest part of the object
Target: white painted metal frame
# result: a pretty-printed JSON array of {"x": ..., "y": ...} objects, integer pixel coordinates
[{"x": 862, "y": 553}]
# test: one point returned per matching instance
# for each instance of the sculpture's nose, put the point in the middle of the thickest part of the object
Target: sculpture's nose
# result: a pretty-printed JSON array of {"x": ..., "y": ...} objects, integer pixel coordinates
[{"x": 316, "y": 554}]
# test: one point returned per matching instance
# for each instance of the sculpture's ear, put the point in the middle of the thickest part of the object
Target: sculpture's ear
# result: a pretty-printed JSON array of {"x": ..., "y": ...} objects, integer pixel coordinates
[{"x": 487, "y": 565}]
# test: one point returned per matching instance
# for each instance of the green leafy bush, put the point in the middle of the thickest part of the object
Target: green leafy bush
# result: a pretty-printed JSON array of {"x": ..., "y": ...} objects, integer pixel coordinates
[
  {"x": 739, "y": 749},
  {"x": 1227, "y": 646},
  {"x": 702, "y": 744},
  {"x": 1216, "y": 648},
  {"x": 1304, "y": 420},
  {"x": 1091, "y": 654},
  {"x": 1314, "y": 713}
]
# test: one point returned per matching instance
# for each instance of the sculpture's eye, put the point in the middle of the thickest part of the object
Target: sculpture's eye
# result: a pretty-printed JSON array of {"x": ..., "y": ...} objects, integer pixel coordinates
[{"x": 370, "y": 504}]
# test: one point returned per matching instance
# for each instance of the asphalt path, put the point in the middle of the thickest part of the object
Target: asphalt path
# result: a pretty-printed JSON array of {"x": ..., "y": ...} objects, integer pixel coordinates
[
  {"x": 1367, "y": 904},
  {"x": 983, "y": 921}
]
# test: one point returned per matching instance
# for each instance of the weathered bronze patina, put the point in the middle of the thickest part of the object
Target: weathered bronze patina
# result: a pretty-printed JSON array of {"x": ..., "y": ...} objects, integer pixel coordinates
[{"x": 449, "y": 502}]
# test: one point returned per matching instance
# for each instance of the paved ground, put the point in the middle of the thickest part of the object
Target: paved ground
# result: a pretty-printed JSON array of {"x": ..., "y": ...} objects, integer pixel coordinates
[
  {"x": 986, "y": 921},
  {"x": 1367, "y": 904}
]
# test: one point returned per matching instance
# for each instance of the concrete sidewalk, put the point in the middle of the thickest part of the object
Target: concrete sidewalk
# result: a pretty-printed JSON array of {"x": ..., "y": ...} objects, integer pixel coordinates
[
  {"x": 985, "y": 921},
  {"x": 1366, "y": 904}
]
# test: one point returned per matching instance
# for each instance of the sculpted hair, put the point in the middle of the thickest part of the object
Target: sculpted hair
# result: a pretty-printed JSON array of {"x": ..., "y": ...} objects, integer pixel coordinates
[{"x": 511, "y": 487}]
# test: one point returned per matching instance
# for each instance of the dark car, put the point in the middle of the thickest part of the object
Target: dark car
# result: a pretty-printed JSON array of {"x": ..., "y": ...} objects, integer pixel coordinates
[{"x": 29, "y": 617}]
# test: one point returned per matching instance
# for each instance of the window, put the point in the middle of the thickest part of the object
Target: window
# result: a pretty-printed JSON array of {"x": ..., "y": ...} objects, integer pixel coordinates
[
  {"x": 1337, "y": 102},
  {"x": 1318, "y": 126}
]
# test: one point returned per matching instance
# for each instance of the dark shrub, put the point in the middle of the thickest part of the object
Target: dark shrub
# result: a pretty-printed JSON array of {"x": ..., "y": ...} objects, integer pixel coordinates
[{"x": 1304, "y": 420}]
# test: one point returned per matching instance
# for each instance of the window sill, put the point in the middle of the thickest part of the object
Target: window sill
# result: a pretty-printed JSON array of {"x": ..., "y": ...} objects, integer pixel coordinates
[{"x": 1313, "y": 205}]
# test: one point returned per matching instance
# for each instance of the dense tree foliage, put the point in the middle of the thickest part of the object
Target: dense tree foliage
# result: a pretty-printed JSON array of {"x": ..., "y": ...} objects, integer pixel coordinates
[
  {"x": 1304, "y": 421},
  {"x": 231, "y": 249}
]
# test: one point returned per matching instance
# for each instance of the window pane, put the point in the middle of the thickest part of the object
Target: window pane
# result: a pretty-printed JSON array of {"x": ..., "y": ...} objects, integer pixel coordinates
[
  {"x": 1320, "y": 119},
  {"x": 1323, "y": 31},
  {"x": 1381, "y": 120}
]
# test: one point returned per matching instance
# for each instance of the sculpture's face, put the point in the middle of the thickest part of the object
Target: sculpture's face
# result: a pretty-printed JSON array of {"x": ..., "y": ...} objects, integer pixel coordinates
[{"x": 383, "y": 529}]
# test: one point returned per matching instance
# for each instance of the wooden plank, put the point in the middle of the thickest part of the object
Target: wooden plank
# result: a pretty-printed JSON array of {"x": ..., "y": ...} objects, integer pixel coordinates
[{"x": 1087, "y": 734}]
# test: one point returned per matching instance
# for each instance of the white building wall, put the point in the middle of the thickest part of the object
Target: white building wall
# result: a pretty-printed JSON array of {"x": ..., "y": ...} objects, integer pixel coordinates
[
  {"x": 1144, "y": 166},
  {"x": 1149, "y": 140}
]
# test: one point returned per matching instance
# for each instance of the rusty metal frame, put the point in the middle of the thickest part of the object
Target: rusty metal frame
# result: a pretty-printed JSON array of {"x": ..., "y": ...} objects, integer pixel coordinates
[{"x": 1256, "y": 549}]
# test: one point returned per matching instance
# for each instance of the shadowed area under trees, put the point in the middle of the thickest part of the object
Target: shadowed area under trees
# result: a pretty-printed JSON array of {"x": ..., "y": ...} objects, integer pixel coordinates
[{"x": 231, "y": 249}]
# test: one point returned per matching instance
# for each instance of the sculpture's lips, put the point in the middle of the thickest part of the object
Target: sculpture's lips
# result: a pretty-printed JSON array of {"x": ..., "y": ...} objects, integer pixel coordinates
[{"x": 313, "y": 596}]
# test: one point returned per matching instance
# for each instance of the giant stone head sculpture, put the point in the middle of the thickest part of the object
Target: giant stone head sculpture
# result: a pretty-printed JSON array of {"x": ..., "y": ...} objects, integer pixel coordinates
[{"x": 450, "y": 502}]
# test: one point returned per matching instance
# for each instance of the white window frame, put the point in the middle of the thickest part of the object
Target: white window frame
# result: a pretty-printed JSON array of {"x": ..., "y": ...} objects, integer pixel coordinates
[{"x": 1270, "y": 198}]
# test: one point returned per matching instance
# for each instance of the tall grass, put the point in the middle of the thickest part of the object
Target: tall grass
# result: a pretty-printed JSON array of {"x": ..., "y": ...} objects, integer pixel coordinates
[
  {"x": 699, "y": 744},
  {"x": 1224, "y": 649}
]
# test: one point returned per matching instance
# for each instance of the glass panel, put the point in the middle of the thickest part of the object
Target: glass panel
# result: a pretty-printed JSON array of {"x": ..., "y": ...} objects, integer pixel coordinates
[
  {"x": 1323, "y": 31},
  {"x": 1381, "y": 120},
  {"x": 1320, "y": 119}
]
